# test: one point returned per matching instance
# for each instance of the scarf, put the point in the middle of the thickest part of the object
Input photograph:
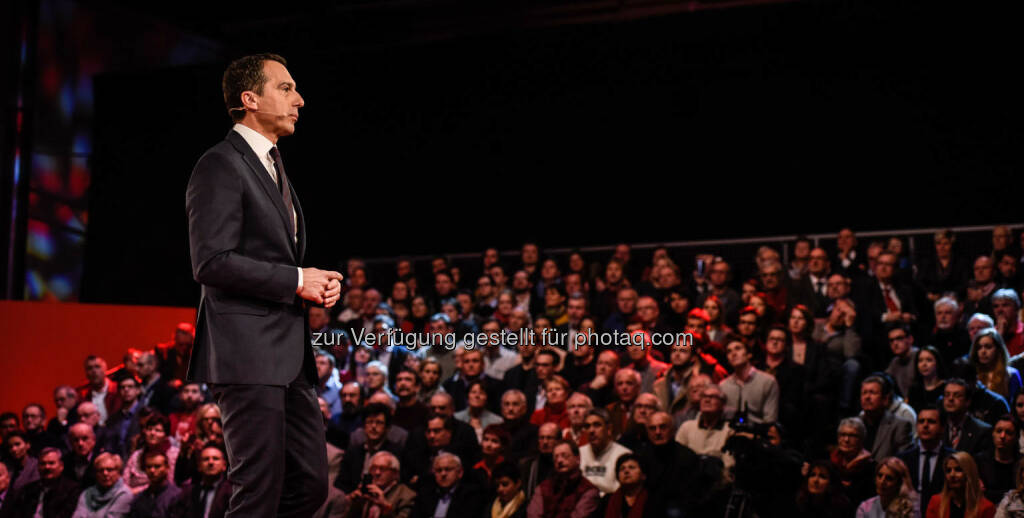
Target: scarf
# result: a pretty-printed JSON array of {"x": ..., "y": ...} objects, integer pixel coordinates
[
  {"x": 506, "y": 511},
  {"x": 618, "y": 498},
  {"x": 96, "y": 500}
]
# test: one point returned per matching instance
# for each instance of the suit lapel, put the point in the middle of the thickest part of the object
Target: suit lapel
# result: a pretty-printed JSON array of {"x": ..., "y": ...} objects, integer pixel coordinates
[{"x": 264, "y": 179}]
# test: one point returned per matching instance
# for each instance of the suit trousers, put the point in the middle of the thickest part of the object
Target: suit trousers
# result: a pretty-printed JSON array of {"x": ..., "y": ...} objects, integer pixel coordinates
[{"x": 276, "y": 448}]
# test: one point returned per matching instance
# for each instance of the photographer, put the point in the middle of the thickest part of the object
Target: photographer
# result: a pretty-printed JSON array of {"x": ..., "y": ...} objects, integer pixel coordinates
[{"x": 380, "y": 489}]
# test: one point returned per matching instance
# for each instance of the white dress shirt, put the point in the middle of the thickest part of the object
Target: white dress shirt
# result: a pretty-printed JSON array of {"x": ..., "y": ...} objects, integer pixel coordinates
[{"x": 261, "y": 146}]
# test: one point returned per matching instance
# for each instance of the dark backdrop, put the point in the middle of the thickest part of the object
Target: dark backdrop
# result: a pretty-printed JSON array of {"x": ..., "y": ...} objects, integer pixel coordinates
[{"x": 740, "y": 122}]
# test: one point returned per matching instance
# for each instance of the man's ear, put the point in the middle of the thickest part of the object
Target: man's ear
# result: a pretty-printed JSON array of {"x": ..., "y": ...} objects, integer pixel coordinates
[{"x": 250, "y": 101}]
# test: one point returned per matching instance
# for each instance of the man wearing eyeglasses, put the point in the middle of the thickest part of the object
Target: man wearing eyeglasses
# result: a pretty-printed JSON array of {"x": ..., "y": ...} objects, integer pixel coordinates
[
  {"x": 385, "y": 496},
  {"x": 903, "y": 366}
]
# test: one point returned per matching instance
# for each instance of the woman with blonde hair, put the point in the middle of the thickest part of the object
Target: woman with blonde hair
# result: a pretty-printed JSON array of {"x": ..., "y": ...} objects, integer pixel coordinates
[
  {"x": 896, "y": 496},
  {"x": 1012, "y": 504},
  {"x": 990, "y": 360},
  {"x": 961, "y": 495}
]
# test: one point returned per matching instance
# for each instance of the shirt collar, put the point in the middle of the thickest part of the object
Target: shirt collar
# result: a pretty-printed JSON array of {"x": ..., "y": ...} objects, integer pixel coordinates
[{"x": 259, "y": 144}]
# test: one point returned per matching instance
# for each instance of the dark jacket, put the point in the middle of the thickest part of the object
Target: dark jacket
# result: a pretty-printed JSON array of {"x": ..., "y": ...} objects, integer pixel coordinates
[
  {"x": 60, "y": 501},
  {"x": 188, "y": 505},
  {"x": 912, "y": 458},
  {"x": 467, "y": 500}
]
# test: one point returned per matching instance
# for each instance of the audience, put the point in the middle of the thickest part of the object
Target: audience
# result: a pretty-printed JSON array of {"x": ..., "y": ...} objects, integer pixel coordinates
[{"x": 766, "y": 380}]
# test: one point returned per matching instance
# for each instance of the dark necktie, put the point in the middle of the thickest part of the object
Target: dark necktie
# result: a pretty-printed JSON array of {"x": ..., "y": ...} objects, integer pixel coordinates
[
  {"x": 282, "y": 184},
  {"x": 820, "y": 288},
  {"x": 926, "y": 477}
]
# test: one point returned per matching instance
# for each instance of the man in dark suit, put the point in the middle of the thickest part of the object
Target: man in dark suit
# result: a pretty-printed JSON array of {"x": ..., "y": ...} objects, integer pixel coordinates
[
  {"x": 964, "y": 432},
  {"x": 882, "y": 302},
  {"x": 448, "y": 494},
  {"x": 471, "y": 368},
  {"x": 53, "y": 494},
  {"x": 248, "y": 238},
  {"x": 925, "y": 459},
  {"x": 890, "y": 433},
  {"x": 208, "y": 497}
]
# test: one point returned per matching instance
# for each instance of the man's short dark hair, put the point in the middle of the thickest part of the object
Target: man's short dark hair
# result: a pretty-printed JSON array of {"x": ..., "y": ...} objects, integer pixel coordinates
[
  {"x": 245, "y": 74},
  {"x": 42, "y": 411},
  {"x": 50, "y": 449},
  {"x": 968, "y": 387},
  {"x": 155, "y": 453},
  {"x": 552, "y": 354},
  {"x": 6, "y": 416},
  {"x": 415, "y": 375},
  {"x": 883, "y": 381},
  {"x": 572, "y": 446},
  {"x": 448, "y": 422},
  {"x": 377, "y": 409},
  {"x": 601, "y": 414}
]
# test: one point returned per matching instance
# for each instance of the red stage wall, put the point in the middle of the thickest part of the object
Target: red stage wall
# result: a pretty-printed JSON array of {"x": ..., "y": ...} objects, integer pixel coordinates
[{"x": 45, "y": 343}]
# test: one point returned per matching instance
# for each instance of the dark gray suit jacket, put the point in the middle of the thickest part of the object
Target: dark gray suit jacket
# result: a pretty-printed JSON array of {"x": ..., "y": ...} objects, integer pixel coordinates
[
  {"x": 893, "y": 436},
  {"x": 251, "y": 326}
]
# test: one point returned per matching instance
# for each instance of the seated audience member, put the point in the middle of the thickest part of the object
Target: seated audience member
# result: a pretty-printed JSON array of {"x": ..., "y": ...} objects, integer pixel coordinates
[
  {"x": 631, "y": 498},
  {"x": 22, "y": 465},
  {"x": 492, "y": 450},
  {"x": 522, "y": 433},
  {"x": 1006, "y": 310},
  {"x": 903, "y": 365},
  {"x": 822, "y": 493},
  {"x": 597, "y": 458},
  {"x": 1012, "y": 504},
  {"x": 476, "y": 413},
  {"x": 896, "y": 497},
  {"x": 537, "y": 467},
  {"x": 510, "y": 501},
  {"x": 748, "y": 390},
  {"x": 123, "y": 424},
  {"x": 577, "y": 408},
  {"x": 78, "y": 462},
  {"x": 155, "y": 437},
  {"x": 328, "y": 381},
  {"x": 65, "y": 399},
  {"x": 640, "y": 358},
  {"x": 950, "y": 336},
  {"x": 439, "y": 437},
  {"x": 410, "y": 412},
  {"x": 990, "y": 360},
  {"x": 997, "y": 466},
  {"x": 888, "y": 432},
  {"x": 174, "y": 355},
  {"x": 670, "y": 466},
  {"x": 354, "y": 464},
  {"x": 51, "y": 495},
  {"x": 377, "y": 379},
  {"x": 110, "y": 496},
  {"x": 155, "y": 392},
  {"x": 929, "y": 378},
  {"x": 567, "y": 494},
  {"x": 694, "y": 388},
  {"x": 884, "y": 300},
  {"x": 962, "y": 494},
  {"x": 778, "y": 363},
  {"x": 627, "y": 388},
  {"x": 99, "y": 389},
  {"x": 925, "y": 459},
  {"x": 843, "y": 345},
  {"x": 556, "y": 390},
  {"x": 854, "y": 464},
  {"x": 964, "y": 432},
  {"x": 581, "y": 366},
  {"x": 448, "y": 494},
  {"x": 207, "y": 496},
  {"x": 33, "y": 420},
  {"x": 707, "y": 434},
  {"x": 671, "y": 388},
  {"x": 430, "y": 378},
  {"x": 160, "y": 492},
  {"x": 351, "y": 407},
  {"x": 384, "y": 496},
  {"x": 498, "y": 359},
  {"x": 601, "y": 389},
  {"x": 184, "y": 420}
]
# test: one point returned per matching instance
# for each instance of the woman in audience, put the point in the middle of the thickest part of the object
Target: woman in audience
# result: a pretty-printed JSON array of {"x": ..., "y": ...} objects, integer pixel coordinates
[
  {"x": 556, "y": 389},
  {"x": 943, "y": 272},
  {"x": 155, "y": 431},
  {"x": 854, "y": 464},
  {"x": 896, "y": 497},
  {"x": 716, "y": 311},
  {"x": 1018, "y": 415},
  {"x": 929, "y": 379},
  {"x": 511, "y": 500},
  {"x": 22, "y": 466},
  {"x": 492, "y": 446},
  {"x": 821, "y": 495},
  {"x": 962, "y": 494},
  {"x": 476, "y": 414},
  {"x": 430, "y": 378},
  {"x": 631, "y": 499},
  {"x": 356, "y": 369},
  {"x": 419, "y": 314},
  {"x": 1012, "y": 505},
  {"x": 208, "y": 430},
  {"x": 990, "y": 360}
]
